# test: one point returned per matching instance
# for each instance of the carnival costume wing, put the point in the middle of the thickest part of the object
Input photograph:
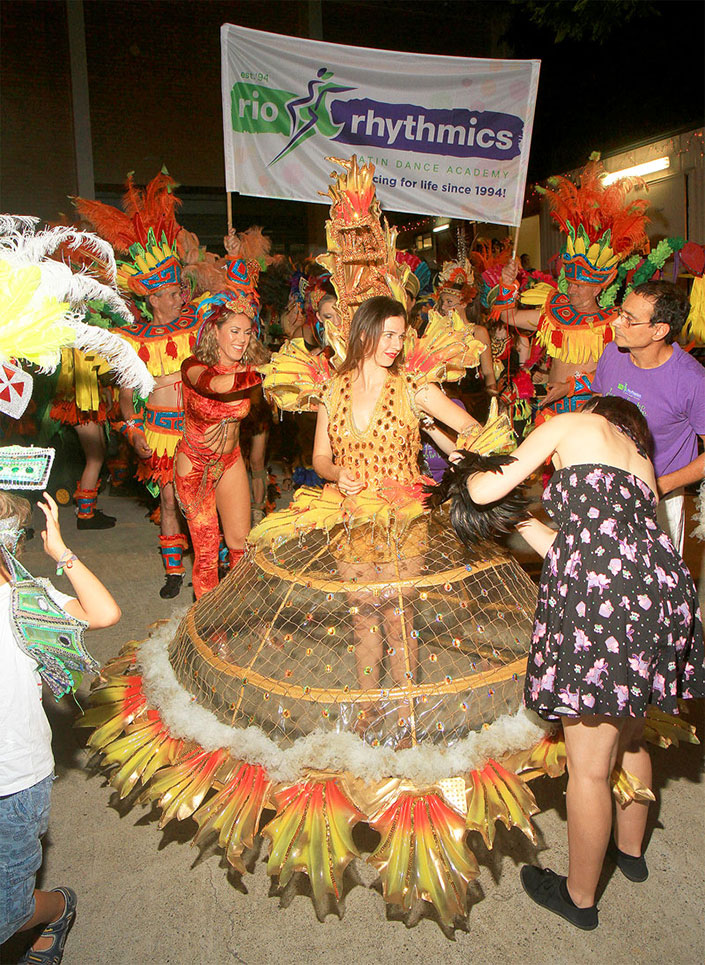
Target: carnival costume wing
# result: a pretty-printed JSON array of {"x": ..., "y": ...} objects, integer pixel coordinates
[
  {"x": 46, "y": 633},
  {"x": 42, "y": 629},
  {"x": 446, "y": 350},
  {"x": 295, "y": 378}
]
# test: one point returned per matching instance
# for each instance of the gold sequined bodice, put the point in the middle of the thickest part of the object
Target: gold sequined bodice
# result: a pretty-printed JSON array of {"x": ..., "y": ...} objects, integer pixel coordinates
[{"x": 390, "y": 444}]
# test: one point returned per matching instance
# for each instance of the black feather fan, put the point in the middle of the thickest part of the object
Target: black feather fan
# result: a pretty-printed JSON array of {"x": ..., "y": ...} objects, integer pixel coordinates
[{"x": 471, "y": 521}]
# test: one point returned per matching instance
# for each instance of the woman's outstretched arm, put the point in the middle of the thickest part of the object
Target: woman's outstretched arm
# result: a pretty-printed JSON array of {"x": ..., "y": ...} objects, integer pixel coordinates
[
  {"x": 436, "y": 404},
  {"x": 486, "y": 487},
  {"x": 206, "y": 381},
  {"x": 94, "y": 604}
]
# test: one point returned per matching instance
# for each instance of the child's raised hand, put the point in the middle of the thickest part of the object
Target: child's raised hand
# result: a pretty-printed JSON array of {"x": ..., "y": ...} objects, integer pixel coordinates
[{"x": 54, "y": 545}]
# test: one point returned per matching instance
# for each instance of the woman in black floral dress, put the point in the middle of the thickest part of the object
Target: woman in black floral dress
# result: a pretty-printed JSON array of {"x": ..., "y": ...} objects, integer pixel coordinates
[{"x": 617, "y": 628}]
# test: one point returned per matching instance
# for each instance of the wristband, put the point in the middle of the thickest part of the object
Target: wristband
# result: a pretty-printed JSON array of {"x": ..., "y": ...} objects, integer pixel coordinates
[
  {"x": 66, "y": 560},
  {"x": 128, "y": 427},
  {"x": 506, "y": 297}
]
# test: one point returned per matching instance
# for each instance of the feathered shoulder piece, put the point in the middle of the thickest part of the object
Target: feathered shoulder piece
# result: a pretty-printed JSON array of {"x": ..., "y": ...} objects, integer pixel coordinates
[
  {"x": 602, "y": 224},
  {"x": 472, "y": 521},
  {"x": 295, "y": 378},
  {"x": 446, "y": 350}
]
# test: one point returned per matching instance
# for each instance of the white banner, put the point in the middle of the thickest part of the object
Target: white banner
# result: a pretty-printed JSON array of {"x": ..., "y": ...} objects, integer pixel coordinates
[{"x": 447, "y": 135}]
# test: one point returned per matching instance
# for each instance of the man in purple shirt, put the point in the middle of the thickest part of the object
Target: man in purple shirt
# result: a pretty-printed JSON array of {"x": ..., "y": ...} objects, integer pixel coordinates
[{"x": 646, "y": 365}]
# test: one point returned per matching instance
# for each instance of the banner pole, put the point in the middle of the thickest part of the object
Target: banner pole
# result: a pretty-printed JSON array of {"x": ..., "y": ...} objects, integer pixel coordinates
[
  {"x": 516, "y": 241},
  {"x": 229, "y": 203}
]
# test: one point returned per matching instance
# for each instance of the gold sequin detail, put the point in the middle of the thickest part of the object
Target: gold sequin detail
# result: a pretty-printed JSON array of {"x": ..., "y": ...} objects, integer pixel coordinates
[{"x": 389, "y": 446}]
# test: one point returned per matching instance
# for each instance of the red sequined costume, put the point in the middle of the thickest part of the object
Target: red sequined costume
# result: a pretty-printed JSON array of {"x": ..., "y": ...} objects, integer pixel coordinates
[{"x": 206, "y": 419}]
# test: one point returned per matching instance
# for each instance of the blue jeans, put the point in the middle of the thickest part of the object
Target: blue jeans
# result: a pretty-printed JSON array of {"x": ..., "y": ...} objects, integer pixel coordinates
[{"x": 24, "y": 818}]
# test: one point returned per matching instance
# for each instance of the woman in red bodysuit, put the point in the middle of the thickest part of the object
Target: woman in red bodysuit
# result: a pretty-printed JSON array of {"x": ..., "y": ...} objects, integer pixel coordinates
[{"x": 210, "y": 476}]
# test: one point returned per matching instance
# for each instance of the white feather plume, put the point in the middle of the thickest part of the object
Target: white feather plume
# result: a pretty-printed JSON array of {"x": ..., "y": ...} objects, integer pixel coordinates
[
  {"x": 79, "y": 287},
  {"x": 21, "y": 245},
  {"x": 34, "y": 246},
  {"x": 129, "y": 368},
  {"x": 38, "y": 291},
  {"x": 17, "y": 222}
]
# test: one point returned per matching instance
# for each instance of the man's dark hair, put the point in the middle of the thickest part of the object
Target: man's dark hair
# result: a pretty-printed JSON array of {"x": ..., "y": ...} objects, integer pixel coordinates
[{"x": 671, "y": 305}]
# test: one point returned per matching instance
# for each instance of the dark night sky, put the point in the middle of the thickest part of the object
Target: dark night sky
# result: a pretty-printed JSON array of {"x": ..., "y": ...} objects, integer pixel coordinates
[{"x": 644, "y": 80}]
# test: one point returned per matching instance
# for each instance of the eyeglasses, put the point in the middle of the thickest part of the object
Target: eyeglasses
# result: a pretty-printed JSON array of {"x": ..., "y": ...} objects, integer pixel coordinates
[{"x": 627, "y": 319}]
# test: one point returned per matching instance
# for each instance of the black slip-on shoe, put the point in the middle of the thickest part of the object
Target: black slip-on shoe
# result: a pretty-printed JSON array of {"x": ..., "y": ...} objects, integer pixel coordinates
[
  {"x": 97, "y": 521},
  {"x": 633, "y": 868},
  {"x": 548, "y": 889},
  {"x": 172, "y": 586}
]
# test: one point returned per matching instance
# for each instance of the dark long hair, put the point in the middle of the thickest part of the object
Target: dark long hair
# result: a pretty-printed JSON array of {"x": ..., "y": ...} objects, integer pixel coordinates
[
  {"x": 366, "y": 330},
  {"x": 626, "y": 417}
]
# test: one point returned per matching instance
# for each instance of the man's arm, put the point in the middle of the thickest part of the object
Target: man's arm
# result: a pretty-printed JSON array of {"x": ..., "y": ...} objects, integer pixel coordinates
[
  {"x": 524, "y": 318},
  {"x": 693, "y": 472}
]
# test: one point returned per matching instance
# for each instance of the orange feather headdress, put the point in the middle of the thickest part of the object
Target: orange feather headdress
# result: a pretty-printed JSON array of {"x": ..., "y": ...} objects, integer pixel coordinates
[
  {"x": 145, "y": 232},
  {"x": 602, "y": 225}
]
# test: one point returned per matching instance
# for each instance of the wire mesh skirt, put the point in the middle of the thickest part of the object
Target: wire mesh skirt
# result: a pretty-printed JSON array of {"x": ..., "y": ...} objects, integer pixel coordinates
[{"x": 399, "y": 639}]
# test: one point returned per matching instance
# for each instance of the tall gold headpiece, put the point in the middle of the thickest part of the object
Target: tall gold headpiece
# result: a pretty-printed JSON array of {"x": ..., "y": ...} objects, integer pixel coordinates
[{"x": 361, "y": 256}]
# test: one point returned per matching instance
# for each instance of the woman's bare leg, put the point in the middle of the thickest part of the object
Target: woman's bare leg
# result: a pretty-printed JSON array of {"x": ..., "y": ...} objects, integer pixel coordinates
[
  {"x": 367, "y": 630},
  {"x": 591, "y": 746},
  {"x": 402, "y": 648},
  {"x": 92, "y": 439},
  {"x": 630, "y": 822}
]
